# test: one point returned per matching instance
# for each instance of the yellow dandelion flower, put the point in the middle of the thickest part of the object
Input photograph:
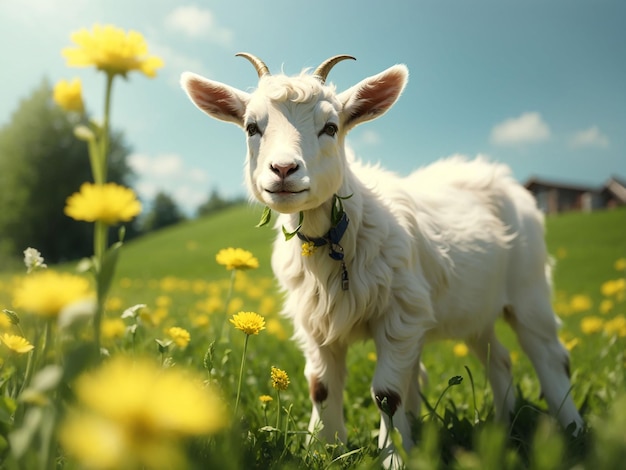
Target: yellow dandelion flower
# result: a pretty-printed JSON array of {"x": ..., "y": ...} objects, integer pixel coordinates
[
  {"x": 134, "y": 409},
  {"x": 267, "y": 305},
  {"x": 113, "y": 328},
  {"x": 69, "y": 95},
  {"x": 460, "y": 350},
  {"x": 200, "y": 320},
  {"x": 606, "y": 306},
  {"x": 5, "y": 321},
  {"x": 280, "y": 379},
  {"x": 620, "y": 264},
  {"x": 109, "y": 203},
  {"x": 613, "y": 287},
  {"x": 308, "y": 248},
  {"x": 235, "y": 304},
  {"x": 248, "y": 322},
  {"x": 163, "y": 301},
  {"x": 114, "y": 303},
  {"x": 46, "y": 293},
  {"x": 561, "y": 253},
  {"x": 180, "y": 336},
  {"x": 580, "y": 303},
  {"x": 571, "y": 344},
  {"x": 591, "y": 324},
  {"x": 16, "y": 343},
  {"x": 111, "y": 50},
  {"x": 616, "y": 326},
  {"x": 371, "y": 356},
  {"x": 275, "y": 327},
  {"x": 236, "y": 258},
  {"x": 265, "y": 399}
]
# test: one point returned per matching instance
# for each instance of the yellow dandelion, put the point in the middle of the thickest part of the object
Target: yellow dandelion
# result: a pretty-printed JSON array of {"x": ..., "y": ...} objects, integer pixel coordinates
[
  {"x": 571, "y": 344},
  {"x": 620, "y": 264},
  {"x": 16, "y": 343},
  {"x": 275, "y": 328},
  {"x": 46, "y": 293},
  {"x": 114, "y": 303},
  {"x": 308, "y": 248},
  {"x": 111, "y": 50},
  {"x": 280, "y": 379},
  {"x": 265, "y": 399},
  {"x": 613, "y": 287},
  {"x": 134, "y": 409},
  {"x": 371, "y": 356},
  {"x": 113, "y": 328},
  {"x": 606, "y": 306},
  {"x": 5, "y": 321},
  {"x": 235, "y": 305},
  {"x": 591, "y": 324},
  {"x": 163, "y": 301},
  {"x": 460, "y": 350},
  {"x": 180, "y": 336},
  {"x": 616, "y": 326},
  {"x": 248, "y": 322},
  {"x": 580, "y": 303},
  {"x": 109, "y": 203},
  {"x": 236, "y": 258},
  {"x": 199, "y": 320},
  {"x": 69, "y": 95}
]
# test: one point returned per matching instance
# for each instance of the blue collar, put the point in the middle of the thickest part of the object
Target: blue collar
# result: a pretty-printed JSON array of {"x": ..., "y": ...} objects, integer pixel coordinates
[{"x": 333, "y": 239}]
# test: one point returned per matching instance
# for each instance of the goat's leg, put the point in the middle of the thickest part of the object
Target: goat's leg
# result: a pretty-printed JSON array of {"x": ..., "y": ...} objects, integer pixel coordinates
[
  {"x": 539, "y": 340},
  {"x": 397, "y": 360},
  {"x": 497, "y": 362},
  {"x": 414, "y": 399},
  {"x": 326, "y": 373}
]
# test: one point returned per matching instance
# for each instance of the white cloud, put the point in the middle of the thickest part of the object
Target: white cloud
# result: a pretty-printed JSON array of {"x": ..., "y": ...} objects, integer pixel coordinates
[
  {"x": 591, "y": 137},
  {"x": 198, "y": 23},
  {"x": 168, "y": 173},
  {"x": 527, "y": 128}
]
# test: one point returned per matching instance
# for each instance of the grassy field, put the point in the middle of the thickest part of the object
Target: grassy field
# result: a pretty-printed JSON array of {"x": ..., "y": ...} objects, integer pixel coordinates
[{"x": 175, "y": 274}]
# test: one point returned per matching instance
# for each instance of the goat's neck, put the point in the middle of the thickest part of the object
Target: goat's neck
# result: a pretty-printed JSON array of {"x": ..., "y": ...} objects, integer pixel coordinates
[{"x": 317, "y": 222}]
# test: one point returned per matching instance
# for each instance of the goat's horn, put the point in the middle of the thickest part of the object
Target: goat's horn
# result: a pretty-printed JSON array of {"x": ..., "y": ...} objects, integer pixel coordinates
[
  {"x": 322, "y": 71},
  {"x": 259, "y": 65}
]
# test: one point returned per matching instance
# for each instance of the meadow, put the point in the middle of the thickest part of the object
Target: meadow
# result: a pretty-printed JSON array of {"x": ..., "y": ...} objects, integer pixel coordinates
[{"x": 170, "y": 301}]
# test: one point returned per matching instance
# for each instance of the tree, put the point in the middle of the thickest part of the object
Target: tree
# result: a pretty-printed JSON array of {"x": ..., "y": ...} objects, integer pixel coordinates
[
  {"x": 41, "y": 164},
  {"x": 164, "y": 212},
  {"x": 215, "y": 202}
]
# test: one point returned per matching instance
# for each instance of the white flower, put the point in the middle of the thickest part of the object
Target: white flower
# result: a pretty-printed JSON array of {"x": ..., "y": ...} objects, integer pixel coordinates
[{"x": 33, "y": 260}]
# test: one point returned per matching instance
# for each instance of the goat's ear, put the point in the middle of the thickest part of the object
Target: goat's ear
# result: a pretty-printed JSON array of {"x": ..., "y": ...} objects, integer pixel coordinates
[
  {"x": 373, "y": 96},
  {"x": 214, "y": 98}
]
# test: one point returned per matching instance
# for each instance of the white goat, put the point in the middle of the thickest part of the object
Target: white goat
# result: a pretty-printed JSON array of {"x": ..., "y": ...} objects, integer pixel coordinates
[{"x": 439, "y": 254}]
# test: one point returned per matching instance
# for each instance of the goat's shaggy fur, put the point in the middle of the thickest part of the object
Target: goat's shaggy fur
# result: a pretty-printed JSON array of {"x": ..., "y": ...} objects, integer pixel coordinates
[{"x": 441, "y": 253}]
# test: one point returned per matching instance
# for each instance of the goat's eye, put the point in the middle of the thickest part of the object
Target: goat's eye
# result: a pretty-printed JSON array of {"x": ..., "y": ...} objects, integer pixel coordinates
[
  {"x": 329, "y": 129},
  {"x": 252, "y": 129}
]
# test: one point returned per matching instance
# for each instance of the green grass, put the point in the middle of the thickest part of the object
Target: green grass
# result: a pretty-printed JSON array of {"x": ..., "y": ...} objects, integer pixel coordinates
[{"x": 174, "y": 272}]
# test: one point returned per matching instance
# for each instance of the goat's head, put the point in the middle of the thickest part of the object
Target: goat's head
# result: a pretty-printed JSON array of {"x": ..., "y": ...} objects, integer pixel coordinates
[{"x": 296, "y": 127}]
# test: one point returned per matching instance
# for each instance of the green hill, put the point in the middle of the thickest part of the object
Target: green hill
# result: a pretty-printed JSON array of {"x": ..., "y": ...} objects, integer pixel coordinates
[
  {"x": 584, "y": 245},
  {"x": 187, "y": 250}
]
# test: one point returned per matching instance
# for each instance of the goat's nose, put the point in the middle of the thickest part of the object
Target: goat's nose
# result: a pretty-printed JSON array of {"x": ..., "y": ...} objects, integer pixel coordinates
[{"x": 284, "y": 169}]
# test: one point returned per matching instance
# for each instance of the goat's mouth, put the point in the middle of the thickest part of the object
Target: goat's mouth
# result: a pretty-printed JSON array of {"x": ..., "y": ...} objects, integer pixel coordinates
[{"x": 285, "y": 192}]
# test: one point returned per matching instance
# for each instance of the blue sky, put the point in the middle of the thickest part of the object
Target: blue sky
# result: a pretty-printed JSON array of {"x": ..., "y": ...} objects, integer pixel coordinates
[{"x": 539, "y": 85}]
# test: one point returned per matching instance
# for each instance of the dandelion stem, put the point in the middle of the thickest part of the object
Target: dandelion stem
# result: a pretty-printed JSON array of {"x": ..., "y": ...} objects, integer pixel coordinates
[
  {"x": 228, "y": 297},
  {"x": 243, "y": 362},
  {"x": 104, "y": 142},
  {"x": 278, "y": 409}
]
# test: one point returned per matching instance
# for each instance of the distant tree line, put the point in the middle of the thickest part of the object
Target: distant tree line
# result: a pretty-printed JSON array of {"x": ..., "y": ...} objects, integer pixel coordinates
[{"x": 42, "y": 163}]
